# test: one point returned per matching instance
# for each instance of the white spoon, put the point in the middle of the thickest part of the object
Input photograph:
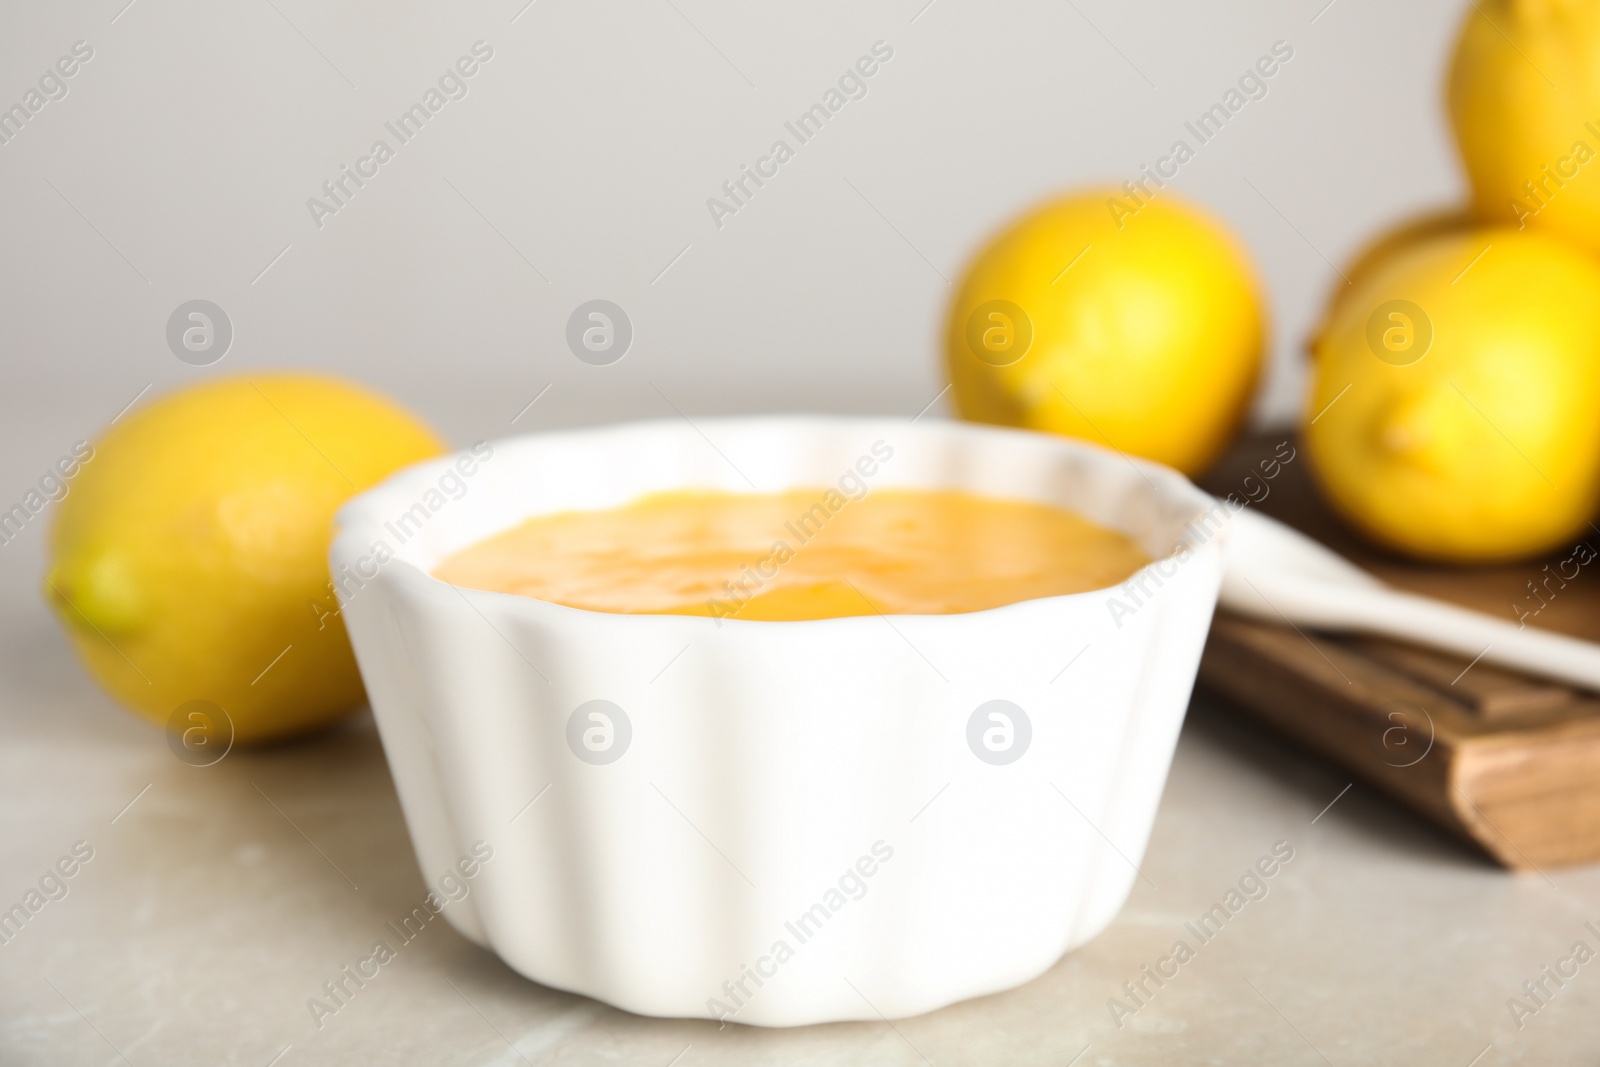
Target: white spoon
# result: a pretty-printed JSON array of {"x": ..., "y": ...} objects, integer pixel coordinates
[{"x": 1278, "y": 574}]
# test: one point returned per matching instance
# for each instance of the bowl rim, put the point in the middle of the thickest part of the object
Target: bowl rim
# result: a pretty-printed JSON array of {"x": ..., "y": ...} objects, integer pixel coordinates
[{"x": 1161, "y": 479}]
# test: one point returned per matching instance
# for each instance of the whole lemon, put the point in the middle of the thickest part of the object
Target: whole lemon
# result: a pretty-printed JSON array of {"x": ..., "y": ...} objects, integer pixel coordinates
[
  {"x": 1455, "y": 408},
  {"x": 1524, "y": 98},
  {"x": 1133, "y": 326},
  {"x": 189, "y": 559}
]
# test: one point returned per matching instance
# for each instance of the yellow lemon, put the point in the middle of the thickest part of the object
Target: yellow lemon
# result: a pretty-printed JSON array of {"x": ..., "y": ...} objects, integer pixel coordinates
[
  {"x": 189, "y": 559},
  {"x": 1134, "y": 326},
  {"x": 1455, "y": 408},
  {"x": 1524, "y": 98}
]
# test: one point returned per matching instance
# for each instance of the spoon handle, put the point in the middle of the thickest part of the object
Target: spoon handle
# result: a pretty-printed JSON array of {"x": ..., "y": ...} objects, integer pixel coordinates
[{"x": 1425, "y": 621}]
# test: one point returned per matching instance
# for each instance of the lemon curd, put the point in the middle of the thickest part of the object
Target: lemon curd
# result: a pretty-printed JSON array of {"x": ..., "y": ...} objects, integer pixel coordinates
[{"x": 790, "y": 556}]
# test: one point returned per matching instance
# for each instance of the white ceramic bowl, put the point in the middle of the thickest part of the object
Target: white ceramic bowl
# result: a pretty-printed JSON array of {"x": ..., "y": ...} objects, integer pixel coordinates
[{"x": 778, "y": 822}]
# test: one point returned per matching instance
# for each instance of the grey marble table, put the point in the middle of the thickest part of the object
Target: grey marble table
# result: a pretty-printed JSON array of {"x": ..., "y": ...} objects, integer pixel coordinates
[{"x": 218, "y": 900}]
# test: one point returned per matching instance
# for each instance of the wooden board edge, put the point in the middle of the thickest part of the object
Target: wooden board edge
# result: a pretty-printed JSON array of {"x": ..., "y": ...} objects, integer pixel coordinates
[{"x": 1259, "y": 671}]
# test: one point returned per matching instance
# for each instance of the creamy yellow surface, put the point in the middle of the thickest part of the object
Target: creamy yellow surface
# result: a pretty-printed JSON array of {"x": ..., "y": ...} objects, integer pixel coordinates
[{"x": 800, "y": 554}]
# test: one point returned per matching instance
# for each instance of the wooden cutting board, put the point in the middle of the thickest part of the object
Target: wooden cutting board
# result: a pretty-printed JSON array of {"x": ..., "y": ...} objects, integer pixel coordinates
[{"x": 1508, "y": 762}]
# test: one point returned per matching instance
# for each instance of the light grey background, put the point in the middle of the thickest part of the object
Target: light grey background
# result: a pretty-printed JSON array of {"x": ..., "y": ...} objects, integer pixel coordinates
[{"x": 184, "y": 154}]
